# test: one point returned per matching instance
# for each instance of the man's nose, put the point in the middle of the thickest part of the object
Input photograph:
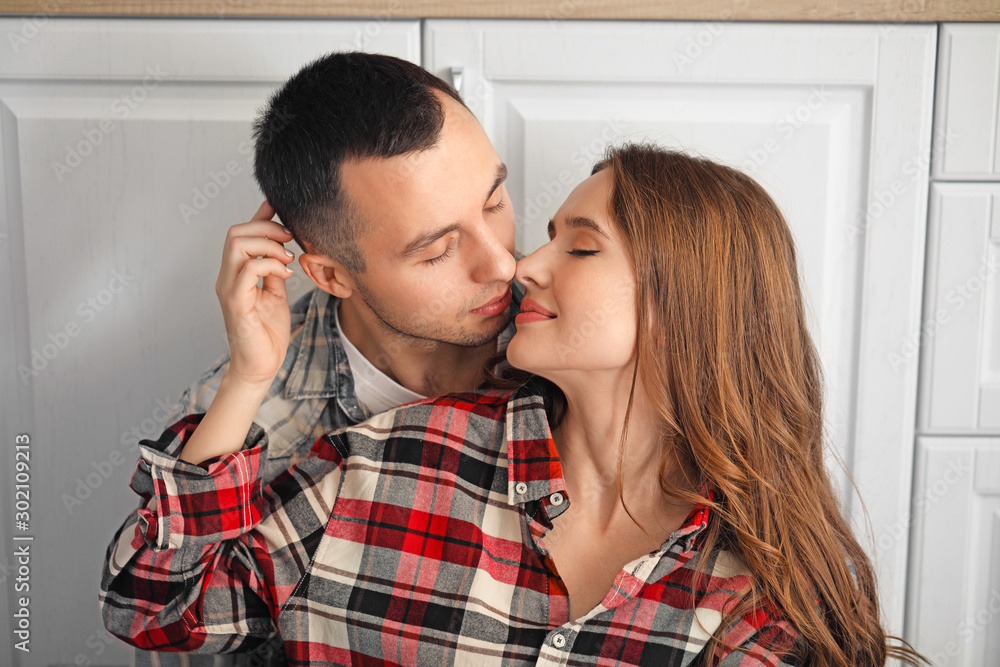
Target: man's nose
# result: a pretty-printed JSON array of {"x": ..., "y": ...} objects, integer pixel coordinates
[
  {"x": 532, "y": 269},
  {"x": 493, "y": 263}
]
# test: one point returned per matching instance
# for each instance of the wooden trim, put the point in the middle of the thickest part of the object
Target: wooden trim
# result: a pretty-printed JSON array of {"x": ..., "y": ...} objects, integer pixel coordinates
[{"x": 743, "y": 10}]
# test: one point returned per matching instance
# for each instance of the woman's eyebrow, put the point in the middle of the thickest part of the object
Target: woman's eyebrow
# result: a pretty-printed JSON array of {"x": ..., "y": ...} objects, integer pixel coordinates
[{"x": 578, "y": 222}]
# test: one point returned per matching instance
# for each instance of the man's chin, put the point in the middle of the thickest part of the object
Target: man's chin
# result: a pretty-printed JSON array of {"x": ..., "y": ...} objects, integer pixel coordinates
[{"x": 492, "y": 328}]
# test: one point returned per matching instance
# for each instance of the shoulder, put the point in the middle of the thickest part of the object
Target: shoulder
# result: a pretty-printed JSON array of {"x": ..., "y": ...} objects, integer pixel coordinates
[
  {"x": 301, "y": 305},
  {"x": 471, "y": 421},
  {"x": 762, "y": 635}
]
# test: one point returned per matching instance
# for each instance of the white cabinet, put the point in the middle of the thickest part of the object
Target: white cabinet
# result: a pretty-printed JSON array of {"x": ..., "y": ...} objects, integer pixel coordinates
[
  {"x": 834, "y": 120},
  {"x": 126, "y": 156},
  {"x": 967, "y": 111},
  {"x": 960, "y": 328},
  {"x": 953, "y": 614},
  {"x": 953, "y": 602}
]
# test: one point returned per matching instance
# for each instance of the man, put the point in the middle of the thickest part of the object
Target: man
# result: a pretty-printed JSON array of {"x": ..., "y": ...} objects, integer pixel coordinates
[{"x": 395, "y": 194}]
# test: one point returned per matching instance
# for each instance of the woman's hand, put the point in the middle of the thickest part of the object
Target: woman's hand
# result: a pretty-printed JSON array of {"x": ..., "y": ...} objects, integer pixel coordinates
[
  {"x": 257, "y": 319},
  {"x": 257, "y": 324}
]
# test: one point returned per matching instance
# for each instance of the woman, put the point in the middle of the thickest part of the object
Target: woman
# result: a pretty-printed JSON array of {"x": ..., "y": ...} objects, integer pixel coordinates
[{"x": 650, "y": 491}]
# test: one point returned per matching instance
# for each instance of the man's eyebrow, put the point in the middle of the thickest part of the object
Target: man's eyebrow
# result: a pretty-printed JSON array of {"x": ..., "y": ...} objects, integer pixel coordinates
[
  {"x": 423, "y": 241},
  {"x": 501, "y": 177},
  {"x": 578, "y": 222}
]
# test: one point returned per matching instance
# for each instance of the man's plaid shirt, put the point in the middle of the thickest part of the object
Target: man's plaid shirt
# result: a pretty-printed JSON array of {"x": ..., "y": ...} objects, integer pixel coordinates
[
  {"x": 312, "y": 394},
  {"x": 410, "y": 539}
]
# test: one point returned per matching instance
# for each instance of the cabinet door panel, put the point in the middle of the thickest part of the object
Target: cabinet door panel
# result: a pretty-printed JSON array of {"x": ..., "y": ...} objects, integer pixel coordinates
[
  {"x": 967, "y": 121},
  {"x": 126, "y": 156},
  {"x": 954, "y": 611},
  {"x": 960, "y": 341},
  {"x": 834, "y": 120}
]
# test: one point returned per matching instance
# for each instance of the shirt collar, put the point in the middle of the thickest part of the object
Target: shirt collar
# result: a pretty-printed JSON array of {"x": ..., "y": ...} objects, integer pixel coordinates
[
  {"x": 533, "y": 468},
  {"x": 532, "y": 460},
  {"x": 320, "y": 369}
]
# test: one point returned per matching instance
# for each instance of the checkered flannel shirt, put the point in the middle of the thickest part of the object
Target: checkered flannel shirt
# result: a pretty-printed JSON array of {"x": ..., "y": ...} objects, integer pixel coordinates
[
  {"x": 312, "y": 394},
  {"x": 410, "y": 539}
]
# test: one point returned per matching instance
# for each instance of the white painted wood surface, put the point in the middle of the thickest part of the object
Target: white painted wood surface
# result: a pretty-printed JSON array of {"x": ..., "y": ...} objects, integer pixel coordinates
[
  {"x": 954, "y": 610},
  {"x": 967, "y": 120},
  {"x": 960, "y": 368},
  {"x": 110, "y": 128},
  {"x": 834, "y": 120}
]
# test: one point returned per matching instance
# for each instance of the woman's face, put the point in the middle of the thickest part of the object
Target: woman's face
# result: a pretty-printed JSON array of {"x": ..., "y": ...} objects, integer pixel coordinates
[{"x": 579, "y": 307}]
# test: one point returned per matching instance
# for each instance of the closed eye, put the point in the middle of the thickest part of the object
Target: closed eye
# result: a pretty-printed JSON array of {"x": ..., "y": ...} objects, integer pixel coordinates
[
  {"x": 443, "y": 256},
  {"x": 583, "y": 253},
  {"x": 499, "y": 207}
]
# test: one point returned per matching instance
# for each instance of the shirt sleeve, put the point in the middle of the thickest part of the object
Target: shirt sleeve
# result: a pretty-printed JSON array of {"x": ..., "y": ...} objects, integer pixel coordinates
[
  {"x": 189, "y": 505},
  {"x": 206, "y": 561}
]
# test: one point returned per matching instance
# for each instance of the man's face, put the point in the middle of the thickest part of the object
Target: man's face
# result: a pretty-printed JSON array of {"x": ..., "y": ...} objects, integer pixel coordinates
[{"x": 439, "y": 237}]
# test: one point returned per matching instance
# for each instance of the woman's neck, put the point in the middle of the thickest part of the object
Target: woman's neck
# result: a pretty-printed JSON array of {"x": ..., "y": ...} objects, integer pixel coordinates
[{"x": 589, "y": 442}]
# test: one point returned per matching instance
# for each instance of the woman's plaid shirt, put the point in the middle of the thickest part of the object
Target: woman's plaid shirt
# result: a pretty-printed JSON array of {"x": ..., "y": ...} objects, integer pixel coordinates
[{"x": 410, "y": 539}]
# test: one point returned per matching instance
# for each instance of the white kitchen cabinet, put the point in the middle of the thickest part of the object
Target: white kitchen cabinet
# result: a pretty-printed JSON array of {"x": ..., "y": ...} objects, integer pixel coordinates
[
  {"x": 953, "y": 611},
  {"x": 124, "y": 160},
  {"x": 960, "y": 329},
  {"x": 967, "y": 108},
  {"x": 953, "y": 601},
  {"x": 834, "y": 120},
  {"x": 126, "y": 156}
]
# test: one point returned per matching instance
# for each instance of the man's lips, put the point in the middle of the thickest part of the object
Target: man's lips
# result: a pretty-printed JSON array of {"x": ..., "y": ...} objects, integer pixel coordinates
[
  {"x": 494, "y": 307},
  {"x": 532, "y": 311}
]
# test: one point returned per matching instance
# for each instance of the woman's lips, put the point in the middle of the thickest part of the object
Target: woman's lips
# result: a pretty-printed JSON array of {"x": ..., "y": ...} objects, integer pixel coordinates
[
  {"x": 532, "y": 311},
  {"x": 494, "y": 307},
  {"x": 530, "y": 316}
]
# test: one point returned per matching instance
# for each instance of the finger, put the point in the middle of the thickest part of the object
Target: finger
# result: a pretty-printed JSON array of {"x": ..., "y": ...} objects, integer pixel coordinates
[
  {"x": 254, "y": 270},
  {"x": 265, "y": 212},
  {"x": 250, "y": 247},
  {"x": 260, "y": 228},
  {"x": 242, "y": 248},
  {"x": 275, "y": 285}
]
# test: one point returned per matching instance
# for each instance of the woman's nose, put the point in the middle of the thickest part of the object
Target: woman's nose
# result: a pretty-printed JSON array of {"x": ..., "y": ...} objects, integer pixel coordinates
[{"x": 533, "y": 269}]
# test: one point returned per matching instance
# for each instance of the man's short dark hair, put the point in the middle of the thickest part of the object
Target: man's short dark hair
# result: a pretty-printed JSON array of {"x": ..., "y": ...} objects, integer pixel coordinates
[{"x": 340, "y": 107}]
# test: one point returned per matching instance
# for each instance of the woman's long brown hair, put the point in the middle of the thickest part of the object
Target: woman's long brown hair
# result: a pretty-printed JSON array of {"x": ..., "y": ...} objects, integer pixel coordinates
[{"x": 728, "y": 363}]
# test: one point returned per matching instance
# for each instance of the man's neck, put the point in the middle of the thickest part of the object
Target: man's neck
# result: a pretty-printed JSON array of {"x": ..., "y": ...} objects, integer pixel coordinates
[{"x": 423, "y": 366}]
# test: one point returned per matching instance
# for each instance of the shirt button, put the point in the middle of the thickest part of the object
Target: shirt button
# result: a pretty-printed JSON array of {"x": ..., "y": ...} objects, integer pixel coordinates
[
  {"x": 521, "y": 488},
  {"x": 558, "y": 641},
  {"x": 556, "y": 498}
]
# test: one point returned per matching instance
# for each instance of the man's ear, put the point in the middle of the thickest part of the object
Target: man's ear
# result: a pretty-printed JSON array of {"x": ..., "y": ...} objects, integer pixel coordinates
[{"x": 328, "y": 274}]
